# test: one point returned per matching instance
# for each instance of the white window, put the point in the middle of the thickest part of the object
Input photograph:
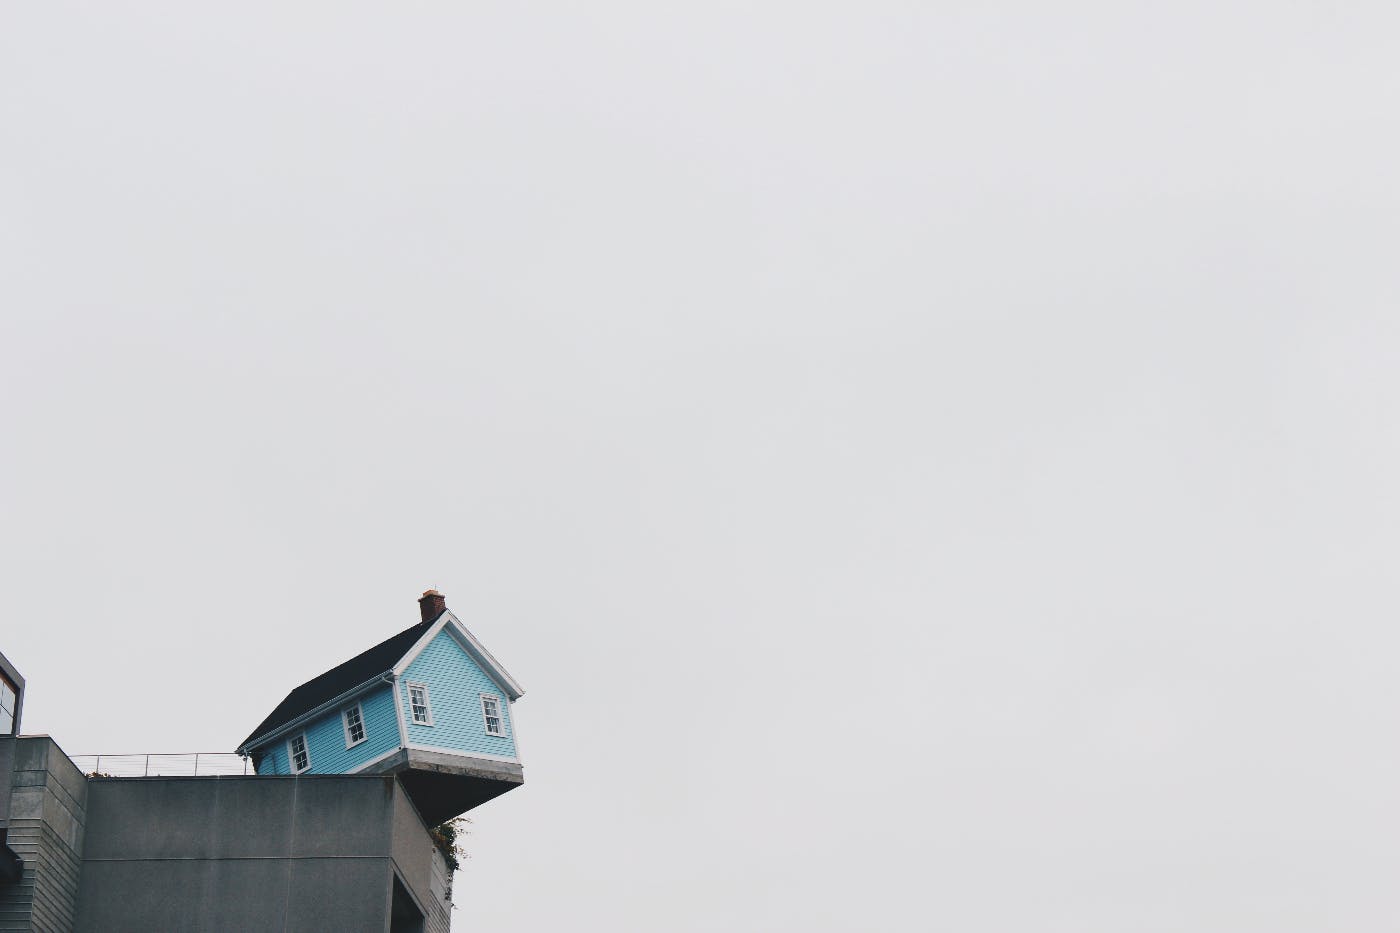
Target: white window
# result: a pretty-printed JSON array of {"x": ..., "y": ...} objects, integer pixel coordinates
[
  {"x": 354, "y": 726},
  {"x": 418, "y": 702},
  {"x": 298, "y": 755},
  {"x": 491, "y": 712}
]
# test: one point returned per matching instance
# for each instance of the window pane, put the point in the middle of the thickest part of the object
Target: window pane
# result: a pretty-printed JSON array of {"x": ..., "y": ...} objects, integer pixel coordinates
[
  {"x": 418, "y": 702},
  {"x": 300, "y": 761},
  {"x": 7, "y": 723}
]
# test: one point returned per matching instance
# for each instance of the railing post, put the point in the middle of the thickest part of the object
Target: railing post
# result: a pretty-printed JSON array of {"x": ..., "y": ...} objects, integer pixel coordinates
[
  {"x": 148, "y": 766},
  {"x": 97, "y": 768},
  {"x": 196, "y": 764}
]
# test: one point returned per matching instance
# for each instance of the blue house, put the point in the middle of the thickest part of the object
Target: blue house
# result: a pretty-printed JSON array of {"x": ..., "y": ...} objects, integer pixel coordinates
[{"x": 429, "y": 704}]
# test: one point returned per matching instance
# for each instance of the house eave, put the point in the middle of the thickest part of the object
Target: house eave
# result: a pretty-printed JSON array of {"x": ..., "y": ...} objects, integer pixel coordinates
[{"x": 313, "y": 713}]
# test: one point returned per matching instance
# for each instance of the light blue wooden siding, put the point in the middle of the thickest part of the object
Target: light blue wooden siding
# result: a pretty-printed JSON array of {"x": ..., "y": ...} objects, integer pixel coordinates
[
  {"x": 455, "y": 684},
  {"x": 325, "y": 738},
  {"x": 275, "y": 760}
]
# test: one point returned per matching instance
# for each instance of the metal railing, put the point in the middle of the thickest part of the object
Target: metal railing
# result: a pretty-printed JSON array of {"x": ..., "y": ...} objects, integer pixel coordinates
[{"x": 177, "y": 764}]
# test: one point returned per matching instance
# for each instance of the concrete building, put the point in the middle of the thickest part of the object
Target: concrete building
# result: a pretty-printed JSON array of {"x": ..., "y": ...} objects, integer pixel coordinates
[
  {"x": 337, "y": 852},
  {"x": 43, "y": 807},
  {"x": 286, "y": 848}
]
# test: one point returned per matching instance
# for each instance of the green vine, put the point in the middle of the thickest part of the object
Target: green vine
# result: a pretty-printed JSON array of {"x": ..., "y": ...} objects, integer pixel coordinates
[{"x": 447, "y": 837}]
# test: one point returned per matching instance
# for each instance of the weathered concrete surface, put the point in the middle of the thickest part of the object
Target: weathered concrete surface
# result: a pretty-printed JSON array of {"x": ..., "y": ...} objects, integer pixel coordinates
[
  {"x": 424, "y": 865},
  {"x": 46, "y": 797},
  {"x": 311, "y": 853},
  {"x": 306, "y": 854},
  {"x": 7, "y": 764}
]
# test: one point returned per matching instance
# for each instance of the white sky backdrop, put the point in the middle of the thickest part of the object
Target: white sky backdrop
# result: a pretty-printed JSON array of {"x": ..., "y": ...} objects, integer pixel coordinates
[{"x": 932, "y": 466}]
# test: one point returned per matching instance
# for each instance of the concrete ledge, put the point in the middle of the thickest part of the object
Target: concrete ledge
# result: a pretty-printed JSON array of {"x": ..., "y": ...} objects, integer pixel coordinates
[{"x": 465, "y": 764}]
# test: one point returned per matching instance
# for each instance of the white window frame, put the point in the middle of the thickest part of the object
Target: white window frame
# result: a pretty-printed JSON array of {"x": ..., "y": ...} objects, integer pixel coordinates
[
  {"x": 359, "y": 712},
  {"x": 500, "y": 714},
  {"x": 427, "y": 705},
  {"x": 292, "y": 756}
]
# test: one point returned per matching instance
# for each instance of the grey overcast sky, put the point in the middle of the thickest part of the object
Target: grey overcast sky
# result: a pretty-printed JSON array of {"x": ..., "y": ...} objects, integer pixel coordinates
[{"x": 933, "y": 466}]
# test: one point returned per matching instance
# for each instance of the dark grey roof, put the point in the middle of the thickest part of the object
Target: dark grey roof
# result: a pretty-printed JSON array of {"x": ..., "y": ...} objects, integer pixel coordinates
[{"x": 362, "y": 667}]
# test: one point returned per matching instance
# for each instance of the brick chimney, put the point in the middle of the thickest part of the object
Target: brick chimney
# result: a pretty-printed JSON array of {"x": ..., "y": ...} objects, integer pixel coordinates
[{"x": 432, "y": 604}]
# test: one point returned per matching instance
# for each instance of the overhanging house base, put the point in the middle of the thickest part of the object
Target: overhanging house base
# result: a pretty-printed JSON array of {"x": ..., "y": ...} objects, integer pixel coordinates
[{"x": 444, "y": 785}]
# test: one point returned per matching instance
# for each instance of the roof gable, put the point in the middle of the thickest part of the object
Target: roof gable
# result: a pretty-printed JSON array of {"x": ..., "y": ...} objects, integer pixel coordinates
[
  {"x": 475, "y": 650},
  {"x": 340, "y": 679}
]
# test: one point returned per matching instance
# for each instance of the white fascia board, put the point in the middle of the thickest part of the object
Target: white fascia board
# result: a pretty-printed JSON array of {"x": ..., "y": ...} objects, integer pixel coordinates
[
  {"x": 314, "y": 713},
  {"x": 432, "y": 748},
  {"x": 488, "y": 663},
  {"x": 398, "y": 707},
  {"x": 461, "y": 754},
  {"x": 419, "y": 645},
  {"x": 474, "y": 648}
]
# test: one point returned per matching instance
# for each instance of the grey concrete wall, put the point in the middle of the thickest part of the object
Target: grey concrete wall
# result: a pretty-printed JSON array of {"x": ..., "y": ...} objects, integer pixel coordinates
[
  {"x": 7, "y": 764},
  {"x": 199, "y": 855},
  {"x": 47, "y": 812},
  {"x": 439, "y": 918},
  {"x": 412, "y": 848},
  {"x": 421, "y": 866}
]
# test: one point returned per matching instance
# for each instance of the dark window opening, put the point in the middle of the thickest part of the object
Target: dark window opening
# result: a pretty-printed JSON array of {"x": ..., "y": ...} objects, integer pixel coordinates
[
  {"x": 11, "y": 865},
  {"x": 405, "y": 917}
]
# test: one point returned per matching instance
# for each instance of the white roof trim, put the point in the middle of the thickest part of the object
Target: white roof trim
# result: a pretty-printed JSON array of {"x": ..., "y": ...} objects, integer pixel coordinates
[
  {"x": 402, "y": 664},
  {"x": 474, "y": 648}
]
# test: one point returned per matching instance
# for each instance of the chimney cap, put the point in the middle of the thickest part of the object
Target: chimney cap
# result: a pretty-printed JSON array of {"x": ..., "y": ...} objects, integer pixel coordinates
[{"x": 431, "y": 605}]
